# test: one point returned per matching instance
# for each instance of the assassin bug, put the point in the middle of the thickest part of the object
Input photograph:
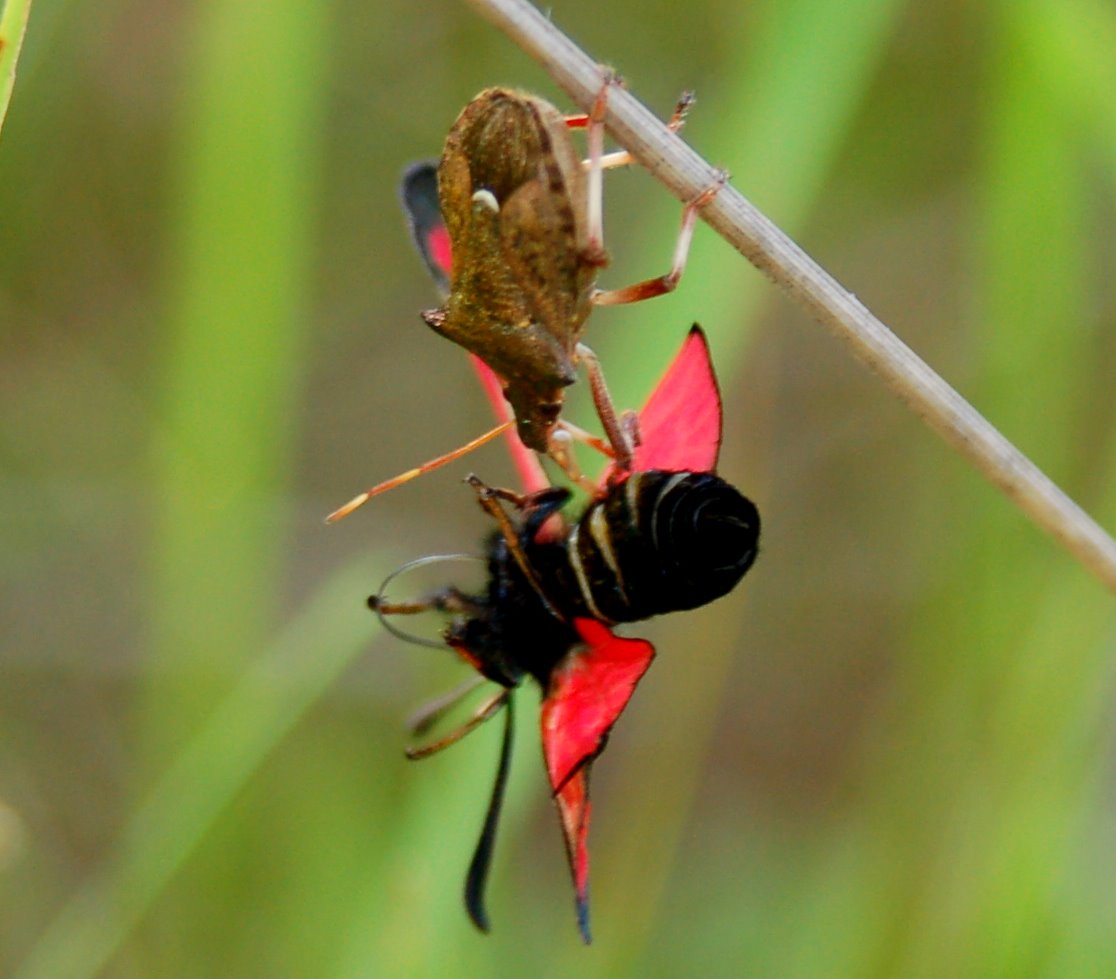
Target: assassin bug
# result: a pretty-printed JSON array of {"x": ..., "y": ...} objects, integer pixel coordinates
[
  {"x": 666, "y": 536},
  {"x": 510, "y": 224}
]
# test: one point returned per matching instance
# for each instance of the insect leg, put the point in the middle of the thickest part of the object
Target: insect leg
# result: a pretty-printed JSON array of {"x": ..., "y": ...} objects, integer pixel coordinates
[
  {"x": 430, "y": 713},
  {"x": 450, "y": 600},
  {"x": 560, "y": 449},
  {"x": 622, "y": 158},
  {"x": 486, "y": 710},
  {"x": 578, "y": 434},
  {"x": 650, "y": 288},
  {"x": 594, "y": 138},
  {"x": 488, "y": 497},
  {"x": 606, "y": 410}
]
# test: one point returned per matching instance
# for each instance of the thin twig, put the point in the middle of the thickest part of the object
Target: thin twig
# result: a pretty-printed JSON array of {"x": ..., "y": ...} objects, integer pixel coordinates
[{"x": 686, "y": 174}]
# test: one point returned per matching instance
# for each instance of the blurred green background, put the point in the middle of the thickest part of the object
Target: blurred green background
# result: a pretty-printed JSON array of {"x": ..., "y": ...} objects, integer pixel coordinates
[{"x": 890, "y": 753}]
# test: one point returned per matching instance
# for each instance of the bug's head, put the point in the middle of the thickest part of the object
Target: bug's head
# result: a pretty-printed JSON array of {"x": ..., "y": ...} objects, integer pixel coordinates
[{"x": 536, "y": 414}]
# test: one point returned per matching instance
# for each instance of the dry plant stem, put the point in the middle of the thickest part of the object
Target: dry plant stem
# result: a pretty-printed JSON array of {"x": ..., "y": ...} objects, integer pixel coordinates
[{"x": 686, "y": 174}]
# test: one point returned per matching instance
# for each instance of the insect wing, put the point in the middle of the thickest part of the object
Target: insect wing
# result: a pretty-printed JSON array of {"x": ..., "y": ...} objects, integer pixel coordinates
[
  {"x": 418, "y": 192},
  {"x": 573, "y": 809},
  {"x": 532, "y": 477},
  {"x": 587, "y": 692},
  {"x": 680, "y": 425}
]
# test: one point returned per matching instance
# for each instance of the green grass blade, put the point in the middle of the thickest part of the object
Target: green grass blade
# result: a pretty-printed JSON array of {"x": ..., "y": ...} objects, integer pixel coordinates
[
  {"x": 242, "y": 250},
  {"x": 265, "y": 704},
  {"x": 13, "y": 25},
  {"x": 1004, "y": 669}
]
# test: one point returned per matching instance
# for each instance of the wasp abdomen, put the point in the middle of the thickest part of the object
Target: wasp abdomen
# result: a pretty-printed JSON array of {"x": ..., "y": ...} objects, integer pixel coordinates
[{"x": 661, "y": 542}]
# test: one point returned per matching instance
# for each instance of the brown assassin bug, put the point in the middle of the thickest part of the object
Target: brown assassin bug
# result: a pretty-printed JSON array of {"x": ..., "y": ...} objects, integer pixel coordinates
[{"x": 517, "y": 240}]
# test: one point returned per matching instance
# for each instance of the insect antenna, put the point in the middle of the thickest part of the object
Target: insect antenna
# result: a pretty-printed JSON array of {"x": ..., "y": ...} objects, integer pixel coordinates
[
  {"x": 361, "y": 498},
  {"x": 477, "y": 876},
  {"x": 447, "y": 600}
]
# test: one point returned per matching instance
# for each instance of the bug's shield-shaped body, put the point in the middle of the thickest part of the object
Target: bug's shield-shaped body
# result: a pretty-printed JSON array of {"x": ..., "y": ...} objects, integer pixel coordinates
[{"x": 513, "y": 195}]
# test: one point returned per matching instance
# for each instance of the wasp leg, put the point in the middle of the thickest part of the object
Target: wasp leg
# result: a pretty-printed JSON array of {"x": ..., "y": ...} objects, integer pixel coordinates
[
  {"x": 486, "y": 710},
  {"x": 489, "y": 499}
]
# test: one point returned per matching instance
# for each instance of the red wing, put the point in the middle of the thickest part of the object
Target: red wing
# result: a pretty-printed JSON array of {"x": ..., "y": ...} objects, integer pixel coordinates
[
  {"x": 531, "y": 474},
  {"x": 680, "y": 426},
  {"x": 573, "y": 809},
  {"x": 587, "y": 692},
  {"x": 419, "y": 194}
]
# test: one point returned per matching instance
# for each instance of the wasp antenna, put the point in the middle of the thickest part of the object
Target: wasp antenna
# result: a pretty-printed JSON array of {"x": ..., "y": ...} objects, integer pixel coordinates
[
  {"x": 448, "y": 600},
  {"x": 477, "y": 876},
  {"x": 362, "y": 498}
]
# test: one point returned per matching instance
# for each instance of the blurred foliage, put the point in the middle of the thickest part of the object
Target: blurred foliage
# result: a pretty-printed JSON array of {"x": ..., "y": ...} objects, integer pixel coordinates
[
  {"x": 889, "y": 755},
  {"x": 13, "y": 25}
]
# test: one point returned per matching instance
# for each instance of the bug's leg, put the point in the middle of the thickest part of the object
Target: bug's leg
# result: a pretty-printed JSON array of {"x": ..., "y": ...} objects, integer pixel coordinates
[
  {"x": 449, "y": 600},
  {"x": 362, "y": 498},
  {"x": 401, "y": 608},
  {"x": 488, "y": 709},
  {"x": 622, "y": 158},
  {"x": 594, "y": 192},
  {"x": 617, "y": 437},
  {"x": 663, "y": 284},
  {"x": 560, "y": 448},
  {"x": 576, "y": 433}
]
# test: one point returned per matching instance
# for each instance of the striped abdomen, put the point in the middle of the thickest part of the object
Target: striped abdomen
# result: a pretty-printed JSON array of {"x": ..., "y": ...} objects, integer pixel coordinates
[{"x": 660, "y": 542}]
